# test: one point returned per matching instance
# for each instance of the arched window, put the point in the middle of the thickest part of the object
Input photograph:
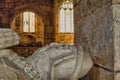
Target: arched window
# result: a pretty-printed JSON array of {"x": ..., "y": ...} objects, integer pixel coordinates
[
  {"x": 66, "y": 17},
  {"x": 28, "y": 22},
  {"x": 30, "y": 27}
]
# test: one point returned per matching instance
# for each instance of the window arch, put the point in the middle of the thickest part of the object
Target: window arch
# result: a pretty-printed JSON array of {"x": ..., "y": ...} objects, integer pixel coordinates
[{"x": 66, "y": 17}]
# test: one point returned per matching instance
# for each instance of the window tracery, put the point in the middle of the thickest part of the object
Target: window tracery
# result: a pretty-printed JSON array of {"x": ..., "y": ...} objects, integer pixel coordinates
[{"x": 66, "y": 17}]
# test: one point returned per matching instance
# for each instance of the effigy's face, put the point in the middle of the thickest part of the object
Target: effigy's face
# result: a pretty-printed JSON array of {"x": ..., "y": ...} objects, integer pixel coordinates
[{"x": 8, "y": 38}]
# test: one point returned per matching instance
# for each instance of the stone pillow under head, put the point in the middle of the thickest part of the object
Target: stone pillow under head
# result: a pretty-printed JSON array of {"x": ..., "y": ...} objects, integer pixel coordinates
[{"x": 8, "y": 38}]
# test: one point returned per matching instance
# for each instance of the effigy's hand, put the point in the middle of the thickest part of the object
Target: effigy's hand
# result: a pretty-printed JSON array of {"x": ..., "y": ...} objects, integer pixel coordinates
[{"x": 8, "y": 38}]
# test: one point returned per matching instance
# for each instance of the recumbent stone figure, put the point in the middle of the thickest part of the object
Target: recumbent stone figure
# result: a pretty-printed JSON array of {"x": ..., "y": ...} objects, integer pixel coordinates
[{"x": 52, "y": 62}]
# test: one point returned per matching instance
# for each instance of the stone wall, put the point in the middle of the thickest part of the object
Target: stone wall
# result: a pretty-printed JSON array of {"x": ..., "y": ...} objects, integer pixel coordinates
[
  {"x": 116, "y": 28},
  {"x": 94, "y": 31}
]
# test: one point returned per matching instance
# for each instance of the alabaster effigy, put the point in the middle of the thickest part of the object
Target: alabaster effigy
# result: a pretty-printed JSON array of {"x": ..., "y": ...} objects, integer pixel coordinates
[{"x": 51, "y": 62}]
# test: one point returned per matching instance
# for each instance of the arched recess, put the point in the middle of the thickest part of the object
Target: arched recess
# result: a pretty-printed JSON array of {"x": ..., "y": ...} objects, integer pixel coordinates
[
  {"x": 35, "y": 27},
  {"x": 39, "y": 12},
  {"x": 45, "y": 15},
  {"x": 29, "y": 41},
  {"x": 46, "y": 19}
]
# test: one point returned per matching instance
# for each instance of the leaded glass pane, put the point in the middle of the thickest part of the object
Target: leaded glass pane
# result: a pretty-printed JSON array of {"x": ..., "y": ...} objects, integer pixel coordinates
[
  {"x": 32, "y": 22},
  {"x": 25, "y": 22},
  {"x": 66, "y": 17}
]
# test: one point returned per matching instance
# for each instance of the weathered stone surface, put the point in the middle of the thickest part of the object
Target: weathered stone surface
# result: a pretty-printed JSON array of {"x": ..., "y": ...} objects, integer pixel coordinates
[
  {"x": 61, "y": 62},
  {"x": 116, "y": 21},
  {"x": 117, "y": 76},
  {"x": 116, "y": 12},
  {"x": 9, "y": 73},
  {"x": 52, "y": 62},
  {"x": 117, "y": 45},
  {"x": 8, "y": 38},
  {"x": 115, "y": 1},
  {"x": 94, "y": 30},
  {"x": 97, "y": 73},
  {"x": 21, "y": 69}
]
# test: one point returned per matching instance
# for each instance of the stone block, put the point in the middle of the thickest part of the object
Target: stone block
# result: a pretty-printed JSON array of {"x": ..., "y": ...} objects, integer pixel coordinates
[
  {"x": 6, "y": 5},
  {"x": 116, "y": 21},
  {"x": 2, "y": 5},
  {"x": 117, "y": 76},
  {"x": 11, "y": 5},
  {"x": 116, "y": 12}
]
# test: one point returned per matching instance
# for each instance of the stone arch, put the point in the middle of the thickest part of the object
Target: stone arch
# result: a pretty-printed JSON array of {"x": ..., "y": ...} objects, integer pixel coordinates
[
  {"x": 17, "y": 10},
  {"x": 39, "y": 12}
]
